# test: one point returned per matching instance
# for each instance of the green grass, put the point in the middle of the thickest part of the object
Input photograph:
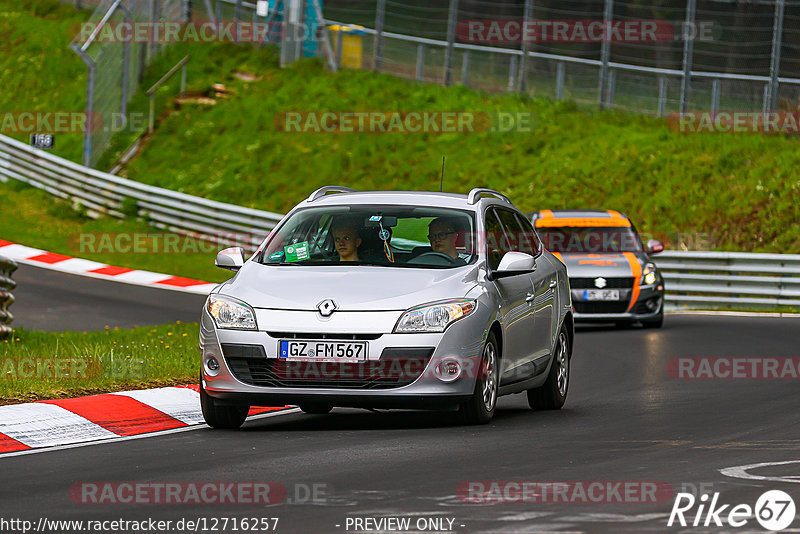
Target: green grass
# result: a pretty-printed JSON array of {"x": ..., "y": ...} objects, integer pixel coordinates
[
  {"x": 738, "y": 192},
  {"x": 41, "y": 222},
  {"x": 43, "y": 365},
  {"x": 39, "y": 71}
]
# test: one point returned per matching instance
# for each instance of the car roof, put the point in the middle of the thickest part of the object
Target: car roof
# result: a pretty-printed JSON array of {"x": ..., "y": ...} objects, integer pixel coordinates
[
  {"x": 432, "y": 199},
  {"x": 556, "y": 218}
]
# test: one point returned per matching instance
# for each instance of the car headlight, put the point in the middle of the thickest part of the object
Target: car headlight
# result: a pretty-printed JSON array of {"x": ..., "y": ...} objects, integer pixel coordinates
[
  {"x": 649, "y": 274},
  {"x": 434, "y": 317},
  {"x": 229, "y": 312}
]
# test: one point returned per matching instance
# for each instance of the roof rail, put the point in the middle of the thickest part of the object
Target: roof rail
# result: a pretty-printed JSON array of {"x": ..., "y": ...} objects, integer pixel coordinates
[
  {"x": 475, "y": 195},
  {"x": 322, "y": 191}
]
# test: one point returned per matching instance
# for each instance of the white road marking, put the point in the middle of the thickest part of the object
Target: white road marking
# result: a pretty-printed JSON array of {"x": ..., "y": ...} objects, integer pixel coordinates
[
  {"x": 741, "y": 471},
  {"x": 45, "y": 425},
  {"x": 138, "y": 436},
  {"x": 182, "y": 404}
]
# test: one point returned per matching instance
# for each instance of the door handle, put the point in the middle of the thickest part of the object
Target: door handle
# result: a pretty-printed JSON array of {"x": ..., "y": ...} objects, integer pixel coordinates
[
  {"x": 530, "y": 298},
  {"x": 553, "y": 284}
]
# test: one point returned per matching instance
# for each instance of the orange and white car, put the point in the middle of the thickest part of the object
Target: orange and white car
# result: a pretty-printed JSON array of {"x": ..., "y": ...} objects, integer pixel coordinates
[{"x": 611, "y": 275}]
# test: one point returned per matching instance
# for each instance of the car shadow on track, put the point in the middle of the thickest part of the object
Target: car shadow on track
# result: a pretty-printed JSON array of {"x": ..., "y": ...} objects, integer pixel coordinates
[{"x": 354, "y": 419}]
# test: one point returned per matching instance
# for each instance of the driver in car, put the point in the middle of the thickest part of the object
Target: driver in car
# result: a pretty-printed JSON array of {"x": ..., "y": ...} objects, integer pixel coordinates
[
  {"x": 346, "y": 240},
  {"x": 443, "y": 233}
]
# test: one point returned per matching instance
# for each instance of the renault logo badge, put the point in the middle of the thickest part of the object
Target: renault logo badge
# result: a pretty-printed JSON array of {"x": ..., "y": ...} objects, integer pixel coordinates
[
  {"x": 327, "y": 307},
  {"x": 600, "y": 282}
]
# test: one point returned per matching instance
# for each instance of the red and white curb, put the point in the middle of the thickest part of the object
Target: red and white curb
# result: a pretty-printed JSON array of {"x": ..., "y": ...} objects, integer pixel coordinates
[
  {"x": 93, "y": 269},
  {"x": 107, "y": 416}
]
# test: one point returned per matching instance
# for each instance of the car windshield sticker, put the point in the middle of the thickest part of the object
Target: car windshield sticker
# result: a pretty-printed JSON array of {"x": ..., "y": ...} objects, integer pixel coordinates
[
  {"x": 276, "y": 255},
  {"x": 375, "y": 218},
  {"x": 296, "y": 252}
]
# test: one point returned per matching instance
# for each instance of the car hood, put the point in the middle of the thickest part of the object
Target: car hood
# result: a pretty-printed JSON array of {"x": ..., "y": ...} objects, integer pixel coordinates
[
  {"x": 358, "y": 288},
  {"x": 610, "y": 265}
]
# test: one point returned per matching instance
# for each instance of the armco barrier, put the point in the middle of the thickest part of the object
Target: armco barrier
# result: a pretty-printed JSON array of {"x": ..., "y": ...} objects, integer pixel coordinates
[
  {"x": 103, "y": 193},
  {"x": 693, "y": 279},
  {"x": 730, "y": 279},
  {"x": 7, "y": 267}
]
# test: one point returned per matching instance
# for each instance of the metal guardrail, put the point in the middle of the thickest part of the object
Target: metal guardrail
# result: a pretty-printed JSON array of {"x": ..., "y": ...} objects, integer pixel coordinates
[
  {"x": 725, "y": 279},
  {"x": 693, "y": 279},
  {"x": 105, "y": 194},
  {"x": 7, "y": 267}
]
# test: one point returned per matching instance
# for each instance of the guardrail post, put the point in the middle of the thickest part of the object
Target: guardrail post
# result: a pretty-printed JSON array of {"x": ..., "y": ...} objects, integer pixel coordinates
[
  {"x": 512, "y": 73},
  {"x": 183, "y": 80},
  {"x": 420, "y": 61},
  {"x": 527, "y": 14},
  {"x": 7, "y": 267},
  {"x": 377, "y": 48},
  {"x": 605, "y": 53},
  {"x": 560, "y": 67},
  {"x": 465, "y": 69},
  {"x": 775, "y": 61},
  {"x": 452, "y": 16},
  {"x": 688, "y": 53}
]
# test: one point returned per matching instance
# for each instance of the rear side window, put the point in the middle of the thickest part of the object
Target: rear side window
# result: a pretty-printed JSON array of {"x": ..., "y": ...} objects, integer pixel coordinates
[
  {"x": 530, "y": 234},
  {"x": 518, "y": 237}
]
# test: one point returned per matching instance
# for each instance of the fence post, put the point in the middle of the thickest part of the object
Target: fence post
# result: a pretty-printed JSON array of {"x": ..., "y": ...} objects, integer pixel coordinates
[
  {"x": 715, "y": 97},
  {"x": 187, "y": 10},
  {"x": 377, "y": 49},
  {"x": 512, "y": 73},
  {"x": 465, "y": 69},
  {"x": 527, "y": 14},
  {"x": 662, "y": 95},
  {"x": 452, "y": 15},
  {"x": 775, "y": 61},
  {"x": 688, "y": 52},
  {"x": 339, "y": 45},
  {"x": 420, "y": 61},
  {"x": 236, "y": 11},
  {"x": 559, "y": 80},
  {"x": 612, "y": 80},
  {"x": 126, "y": 59},
  {"x": 605, "y": 52}
]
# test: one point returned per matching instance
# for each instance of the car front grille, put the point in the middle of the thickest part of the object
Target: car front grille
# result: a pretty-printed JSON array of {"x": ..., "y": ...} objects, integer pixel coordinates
[
  {"x": 295, "y": 335},
  {"x": 600, "y": 306},
  {"x": 395, "y": 368},
  {"x": 611, "y": 283}
]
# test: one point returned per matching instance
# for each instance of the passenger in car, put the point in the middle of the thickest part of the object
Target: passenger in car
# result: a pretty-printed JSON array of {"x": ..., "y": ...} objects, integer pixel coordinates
[
  {"x": 346, "y": 239},
  {"x": 443, "y": 234}
]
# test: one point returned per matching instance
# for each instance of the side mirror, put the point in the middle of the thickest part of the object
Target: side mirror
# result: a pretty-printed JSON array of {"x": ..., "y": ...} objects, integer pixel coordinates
[
  {"x": 230, "y": 258},
  {"x": 654, "y": 246},
  {"x": 512, "y": 264}
]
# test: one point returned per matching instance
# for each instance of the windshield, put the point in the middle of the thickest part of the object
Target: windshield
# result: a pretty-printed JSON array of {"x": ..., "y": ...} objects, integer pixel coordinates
[
  {"x": 391, "y": 236},
  {"x": 590, "y": 239}
]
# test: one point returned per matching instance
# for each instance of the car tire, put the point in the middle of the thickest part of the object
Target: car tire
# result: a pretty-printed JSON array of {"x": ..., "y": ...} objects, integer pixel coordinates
[
  {"x": 658, "y": 322},
  {"x": 223, "y": 417},
  {"x": 315, "y": 408},
  {"x": 480, "y": 408},
  {"x": 553, "y": 393}
]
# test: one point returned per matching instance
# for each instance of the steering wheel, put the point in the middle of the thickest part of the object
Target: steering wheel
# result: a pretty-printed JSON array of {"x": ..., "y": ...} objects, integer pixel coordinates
[{"x": 432, "y": 255}]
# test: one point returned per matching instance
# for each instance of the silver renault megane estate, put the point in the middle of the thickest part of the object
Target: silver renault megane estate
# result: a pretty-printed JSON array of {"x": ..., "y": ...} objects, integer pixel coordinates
[{"x": 389, "y": 300}]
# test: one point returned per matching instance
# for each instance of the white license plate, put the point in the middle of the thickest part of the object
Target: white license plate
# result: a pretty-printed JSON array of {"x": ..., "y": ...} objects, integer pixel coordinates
[
  {"x": 601, "y": 294},
  {"x": 319, "y": 351}
]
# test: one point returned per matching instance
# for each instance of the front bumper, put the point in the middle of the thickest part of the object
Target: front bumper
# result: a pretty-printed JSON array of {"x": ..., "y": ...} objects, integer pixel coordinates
[
  {"x": 462, "y": 341},
  {"x": 649, "y": 304}
]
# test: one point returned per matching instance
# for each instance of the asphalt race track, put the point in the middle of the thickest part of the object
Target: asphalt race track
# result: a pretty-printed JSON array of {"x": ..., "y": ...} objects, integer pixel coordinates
[
  {"x": 625, "y": 420},
  {"x": 55, "y": 301}
]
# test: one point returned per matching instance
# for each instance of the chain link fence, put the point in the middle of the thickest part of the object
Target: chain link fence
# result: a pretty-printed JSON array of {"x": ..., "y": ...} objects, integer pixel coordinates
[
  {"x": 115, "y": 67},
  {"x": 709, "y": 54}
]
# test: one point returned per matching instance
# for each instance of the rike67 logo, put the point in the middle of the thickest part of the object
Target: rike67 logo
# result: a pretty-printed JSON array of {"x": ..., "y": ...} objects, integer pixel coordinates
[{"x": 774, "y": 511}]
